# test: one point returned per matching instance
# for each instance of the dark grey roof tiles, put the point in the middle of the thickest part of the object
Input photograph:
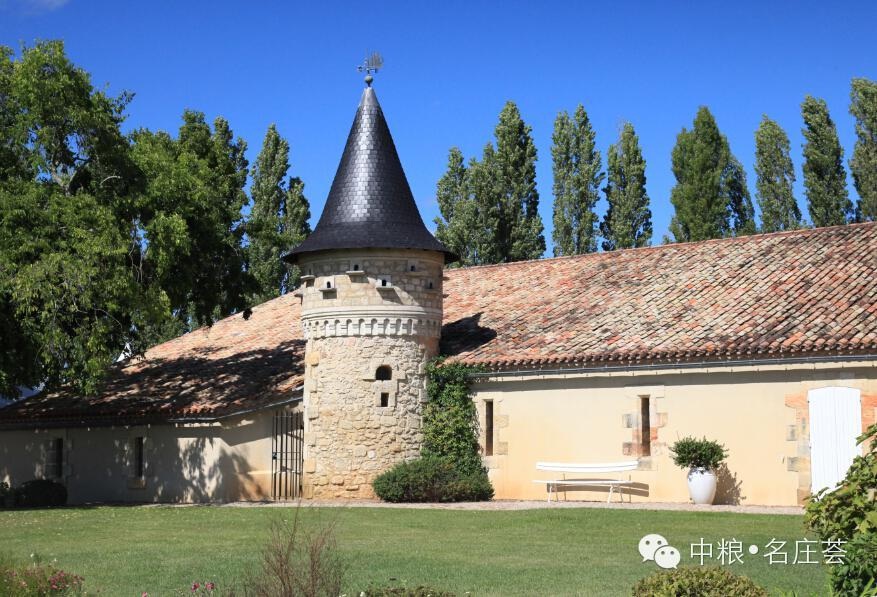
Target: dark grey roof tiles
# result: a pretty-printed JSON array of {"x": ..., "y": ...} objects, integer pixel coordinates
[{"x": 370, "y": 204}]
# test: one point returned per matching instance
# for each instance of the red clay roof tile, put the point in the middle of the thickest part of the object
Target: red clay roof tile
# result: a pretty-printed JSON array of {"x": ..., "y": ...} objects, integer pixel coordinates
[{"x": 764, "y": 296}]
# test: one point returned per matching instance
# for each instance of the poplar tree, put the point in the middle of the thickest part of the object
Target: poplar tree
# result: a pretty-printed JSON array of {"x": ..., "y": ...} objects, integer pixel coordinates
[
  {"x": 736, "y": 190},
  {"x": 278, "y": 219},
  {"x": 775, "y": 177},
  {"x": 295, "y": 227},
  {"x": 628, "y": 220},
  {"x": 863, "y": 107},
  {"x": 518, "y": 226},
  {"x": 490, "y": 208},
  {"x": 824, "y": 176},
  {"x": 711, "y": 198},
  {"x": 577, "y": 173},
  {"x": 456, "y": 227}
]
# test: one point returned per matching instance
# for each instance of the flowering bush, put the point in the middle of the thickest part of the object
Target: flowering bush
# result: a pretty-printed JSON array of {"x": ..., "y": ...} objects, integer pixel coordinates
[{"x": 37, "y": 580}]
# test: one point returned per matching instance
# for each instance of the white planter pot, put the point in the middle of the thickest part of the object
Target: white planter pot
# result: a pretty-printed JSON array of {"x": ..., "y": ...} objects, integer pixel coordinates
[{"x": 701, "y": 485}]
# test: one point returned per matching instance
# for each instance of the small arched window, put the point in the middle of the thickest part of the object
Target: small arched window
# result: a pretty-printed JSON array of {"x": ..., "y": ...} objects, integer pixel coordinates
[{"x": 384, "y": 373}]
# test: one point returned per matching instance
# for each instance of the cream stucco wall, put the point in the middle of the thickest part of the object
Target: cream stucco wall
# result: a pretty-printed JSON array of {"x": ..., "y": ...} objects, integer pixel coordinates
[
  {"x": 759, "y": 413},
  {"x": 221, "y": 461}
]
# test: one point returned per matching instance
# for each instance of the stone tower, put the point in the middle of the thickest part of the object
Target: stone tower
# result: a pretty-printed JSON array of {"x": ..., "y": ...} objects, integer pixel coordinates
[{"x": 371, "y": 314}]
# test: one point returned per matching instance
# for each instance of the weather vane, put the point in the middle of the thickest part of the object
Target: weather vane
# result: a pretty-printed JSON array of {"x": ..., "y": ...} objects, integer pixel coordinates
[{"x": 371, "y": 65}]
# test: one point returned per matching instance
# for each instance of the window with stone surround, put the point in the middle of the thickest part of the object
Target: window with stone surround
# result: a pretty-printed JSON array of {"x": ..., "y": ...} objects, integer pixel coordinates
[
  {"x": 645, "y": 422},
  {"x": 55, "y": 458},
  {"x": 488, "y": 427}
]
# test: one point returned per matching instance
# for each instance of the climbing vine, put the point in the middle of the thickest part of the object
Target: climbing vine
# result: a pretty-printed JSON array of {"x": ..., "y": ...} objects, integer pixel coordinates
[{"x": 450, "y": 419}]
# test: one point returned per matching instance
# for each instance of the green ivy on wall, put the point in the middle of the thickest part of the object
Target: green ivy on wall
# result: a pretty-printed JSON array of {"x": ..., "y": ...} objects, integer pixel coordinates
[{"x": 450, "y": 419}]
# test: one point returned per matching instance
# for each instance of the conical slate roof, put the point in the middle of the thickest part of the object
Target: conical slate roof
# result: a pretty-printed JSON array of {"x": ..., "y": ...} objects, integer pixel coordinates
[{"x": 370, "y": 204}]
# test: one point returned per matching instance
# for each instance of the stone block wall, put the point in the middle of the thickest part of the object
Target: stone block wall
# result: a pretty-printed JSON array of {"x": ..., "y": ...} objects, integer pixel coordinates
[
  {"x": 349, "y": 437},
  {"x": 361, "y": 311}
]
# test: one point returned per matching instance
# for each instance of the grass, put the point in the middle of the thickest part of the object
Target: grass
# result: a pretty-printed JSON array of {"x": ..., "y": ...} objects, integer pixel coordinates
[{"x": 161, "y": 550}]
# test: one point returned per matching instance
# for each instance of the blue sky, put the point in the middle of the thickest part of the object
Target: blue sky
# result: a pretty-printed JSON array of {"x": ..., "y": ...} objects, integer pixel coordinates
[{"x": 451, "y": 66}]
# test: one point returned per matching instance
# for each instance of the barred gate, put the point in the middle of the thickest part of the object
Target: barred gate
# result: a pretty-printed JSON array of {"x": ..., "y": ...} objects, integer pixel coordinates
[{"x": 287, "y": 455}]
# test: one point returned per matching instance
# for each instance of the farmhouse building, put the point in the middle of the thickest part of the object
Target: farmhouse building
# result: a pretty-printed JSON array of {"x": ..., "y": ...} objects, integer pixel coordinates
[{"x": 766, "y": 343}]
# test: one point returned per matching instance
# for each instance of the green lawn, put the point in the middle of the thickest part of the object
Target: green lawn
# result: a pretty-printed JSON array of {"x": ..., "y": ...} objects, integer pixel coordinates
[{"x": 127, "y": 550}]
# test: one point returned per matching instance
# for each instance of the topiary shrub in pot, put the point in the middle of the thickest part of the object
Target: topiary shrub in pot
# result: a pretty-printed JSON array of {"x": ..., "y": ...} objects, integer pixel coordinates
[
  {"x": 706, "y": 581},
  {"x": 701, "y": 457}
]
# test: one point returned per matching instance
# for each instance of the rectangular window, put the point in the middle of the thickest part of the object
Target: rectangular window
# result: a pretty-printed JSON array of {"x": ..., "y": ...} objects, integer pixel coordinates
[
  {"x": 55, "y": 458},
  {"x": 138, "y": 463},
  {"x": 488, "y": 427},
  {"x": 645, "y": 431}
]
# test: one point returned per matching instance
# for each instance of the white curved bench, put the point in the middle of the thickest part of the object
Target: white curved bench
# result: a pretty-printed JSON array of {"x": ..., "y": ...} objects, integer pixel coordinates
[{"x": 578, "y": 470}]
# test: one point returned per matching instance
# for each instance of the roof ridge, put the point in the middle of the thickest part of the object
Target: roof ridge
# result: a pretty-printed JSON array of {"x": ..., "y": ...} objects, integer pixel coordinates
[{"x": 729, "y": 240}]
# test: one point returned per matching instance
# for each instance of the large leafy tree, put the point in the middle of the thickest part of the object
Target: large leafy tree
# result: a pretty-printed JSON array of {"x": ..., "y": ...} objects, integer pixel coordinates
[
  {"x": 490, "y": 207},
  {"x": 69, "y": 277},
  {"x": 628, "y": 220},
  {"x": 863, "y": 106},
  {"x": 278, "y": 219},
  {"x": 577, "y": 173},
  {"x": 825, "y": 181},
  {"x": 191, "y": 224},
  {"x": 104, "y": 242},
  {"x": 711, "y": 198},
  {"x": 775, "y": 177}
]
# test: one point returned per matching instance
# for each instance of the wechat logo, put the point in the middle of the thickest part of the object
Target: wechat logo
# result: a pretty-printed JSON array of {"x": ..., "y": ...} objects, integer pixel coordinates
[{"x": 656, "y": 548}]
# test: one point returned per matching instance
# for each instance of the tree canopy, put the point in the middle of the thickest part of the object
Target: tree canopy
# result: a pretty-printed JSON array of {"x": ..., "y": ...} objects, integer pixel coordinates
[
  {"x": 863, "y": 107},
  {"x": 628, "y": 220},
  {"x": 107, "y": 241},
  {"x": 489, "y": 209},
  {"x": 577, "y": 173},
  {"x": 825, "y": 181},
  {"x": 711, "y": 198}
]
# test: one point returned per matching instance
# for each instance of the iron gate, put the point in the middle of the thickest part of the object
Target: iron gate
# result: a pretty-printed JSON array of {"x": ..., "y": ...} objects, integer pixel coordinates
[{"x": 287, "y": 455}]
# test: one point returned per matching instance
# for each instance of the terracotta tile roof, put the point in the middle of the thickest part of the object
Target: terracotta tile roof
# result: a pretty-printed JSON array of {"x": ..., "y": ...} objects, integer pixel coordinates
[
  {"x": 809, "y": 292},
  {"x": 234, "y": 365},
  {"x": 787, "y": 294}
]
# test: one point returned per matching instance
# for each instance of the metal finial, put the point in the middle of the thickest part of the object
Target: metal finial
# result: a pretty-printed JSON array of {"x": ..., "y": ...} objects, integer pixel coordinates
[{"x": 371, "y": 64}]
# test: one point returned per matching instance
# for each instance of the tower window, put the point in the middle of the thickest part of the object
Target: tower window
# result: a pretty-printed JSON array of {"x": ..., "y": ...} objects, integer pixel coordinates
[
  {"x": 385, "y": 398},
  {"x": 383, "y": 373}
]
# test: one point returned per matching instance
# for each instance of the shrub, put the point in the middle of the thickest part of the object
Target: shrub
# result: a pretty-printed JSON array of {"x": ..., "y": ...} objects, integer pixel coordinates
[
  {"x": 706, "y": 581},
  {"x": 420, "y": 591},
  {"x": 849, "y": 513},
  {"x": 7, "y": 495},
  {"x": 432, "y": 479},
  {"x": 40, "y": 493},
  {"x": 297, "y": 561},
  {"x": 690, "y": 452}
]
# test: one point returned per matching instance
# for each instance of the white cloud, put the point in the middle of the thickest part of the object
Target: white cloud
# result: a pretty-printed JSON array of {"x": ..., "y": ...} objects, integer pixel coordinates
[{"x": 31, "y": 7}]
